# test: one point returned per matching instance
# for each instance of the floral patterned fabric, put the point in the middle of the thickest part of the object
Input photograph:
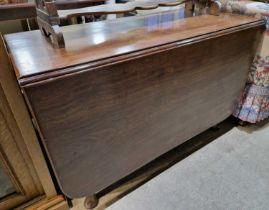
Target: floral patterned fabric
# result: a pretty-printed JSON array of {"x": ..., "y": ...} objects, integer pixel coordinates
[{"x": 254, "y": 103}]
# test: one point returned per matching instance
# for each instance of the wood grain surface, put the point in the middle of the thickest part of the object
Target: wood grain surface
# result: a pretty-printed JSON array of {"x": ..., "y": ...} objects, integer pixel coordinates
[
  {"x": 15, "y": 160},
  {"x": 93, "y": 43},
  {"x": 124, "y": 92},
  {"x": 103, "y": 123},
  {"x": 19, "y": 147},
  {"x": 14, "y": 97}
]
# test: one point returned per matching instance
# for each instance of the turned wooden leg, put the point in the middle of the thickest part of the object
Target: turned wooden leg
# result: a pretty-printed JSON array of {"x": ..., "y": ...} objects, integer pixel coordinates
[{"x": 90, "y": 202}]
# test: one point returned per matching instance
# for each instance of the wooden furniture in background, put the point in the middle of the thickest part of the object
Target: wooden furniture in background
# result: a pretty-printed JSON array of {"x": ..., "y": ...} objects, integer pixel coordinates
[
  {"x": 16, "y": 11},
  {"x": 21, "y": 157},
  {"x": 14, "y": 161},
  {"x": 49, "y": 17},
  {"x": 123, "y": 92}
]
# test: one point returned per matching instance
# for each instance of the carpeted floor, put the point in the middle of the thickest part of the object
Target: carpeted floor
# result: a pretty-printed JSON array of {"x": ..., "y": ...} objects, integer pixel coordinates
[{"x": 230, "y": 173}]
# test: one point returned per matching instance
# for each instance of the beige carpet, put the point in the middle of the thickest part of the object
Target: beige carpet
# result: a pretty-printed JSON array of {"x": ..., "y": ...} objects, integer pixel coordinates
[{"x": 230, "y": 173}]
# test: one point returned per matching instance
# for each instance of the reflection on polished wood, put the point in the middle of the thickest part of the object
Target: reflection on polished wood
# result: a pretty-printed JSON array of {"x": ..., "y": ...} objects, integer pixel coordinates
[
  {"x": 123, "y": 92},
  {"x": 49, "y": 17},
  {"x": 91, "y": 42}
]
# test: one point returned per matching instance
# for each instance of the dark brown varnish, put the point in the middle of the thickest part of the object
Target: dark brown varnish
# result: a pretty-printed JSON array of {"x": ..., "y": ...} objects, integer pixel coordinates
[{"x": 102, "y": 117}]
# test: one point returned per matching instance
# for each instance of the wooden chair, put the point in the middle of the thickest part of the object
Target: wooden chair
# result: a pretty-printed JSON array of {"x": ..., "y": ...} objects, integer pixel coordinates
[{"x": 49, "y": 18}]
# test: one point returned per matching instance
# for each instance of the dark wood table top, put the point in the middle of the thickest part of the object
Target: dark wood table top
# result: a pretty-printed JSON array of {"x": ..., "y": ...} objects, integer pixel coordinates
[
  {"x": 27, "y": 10},
  {"x": 100, "y": 42}
]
